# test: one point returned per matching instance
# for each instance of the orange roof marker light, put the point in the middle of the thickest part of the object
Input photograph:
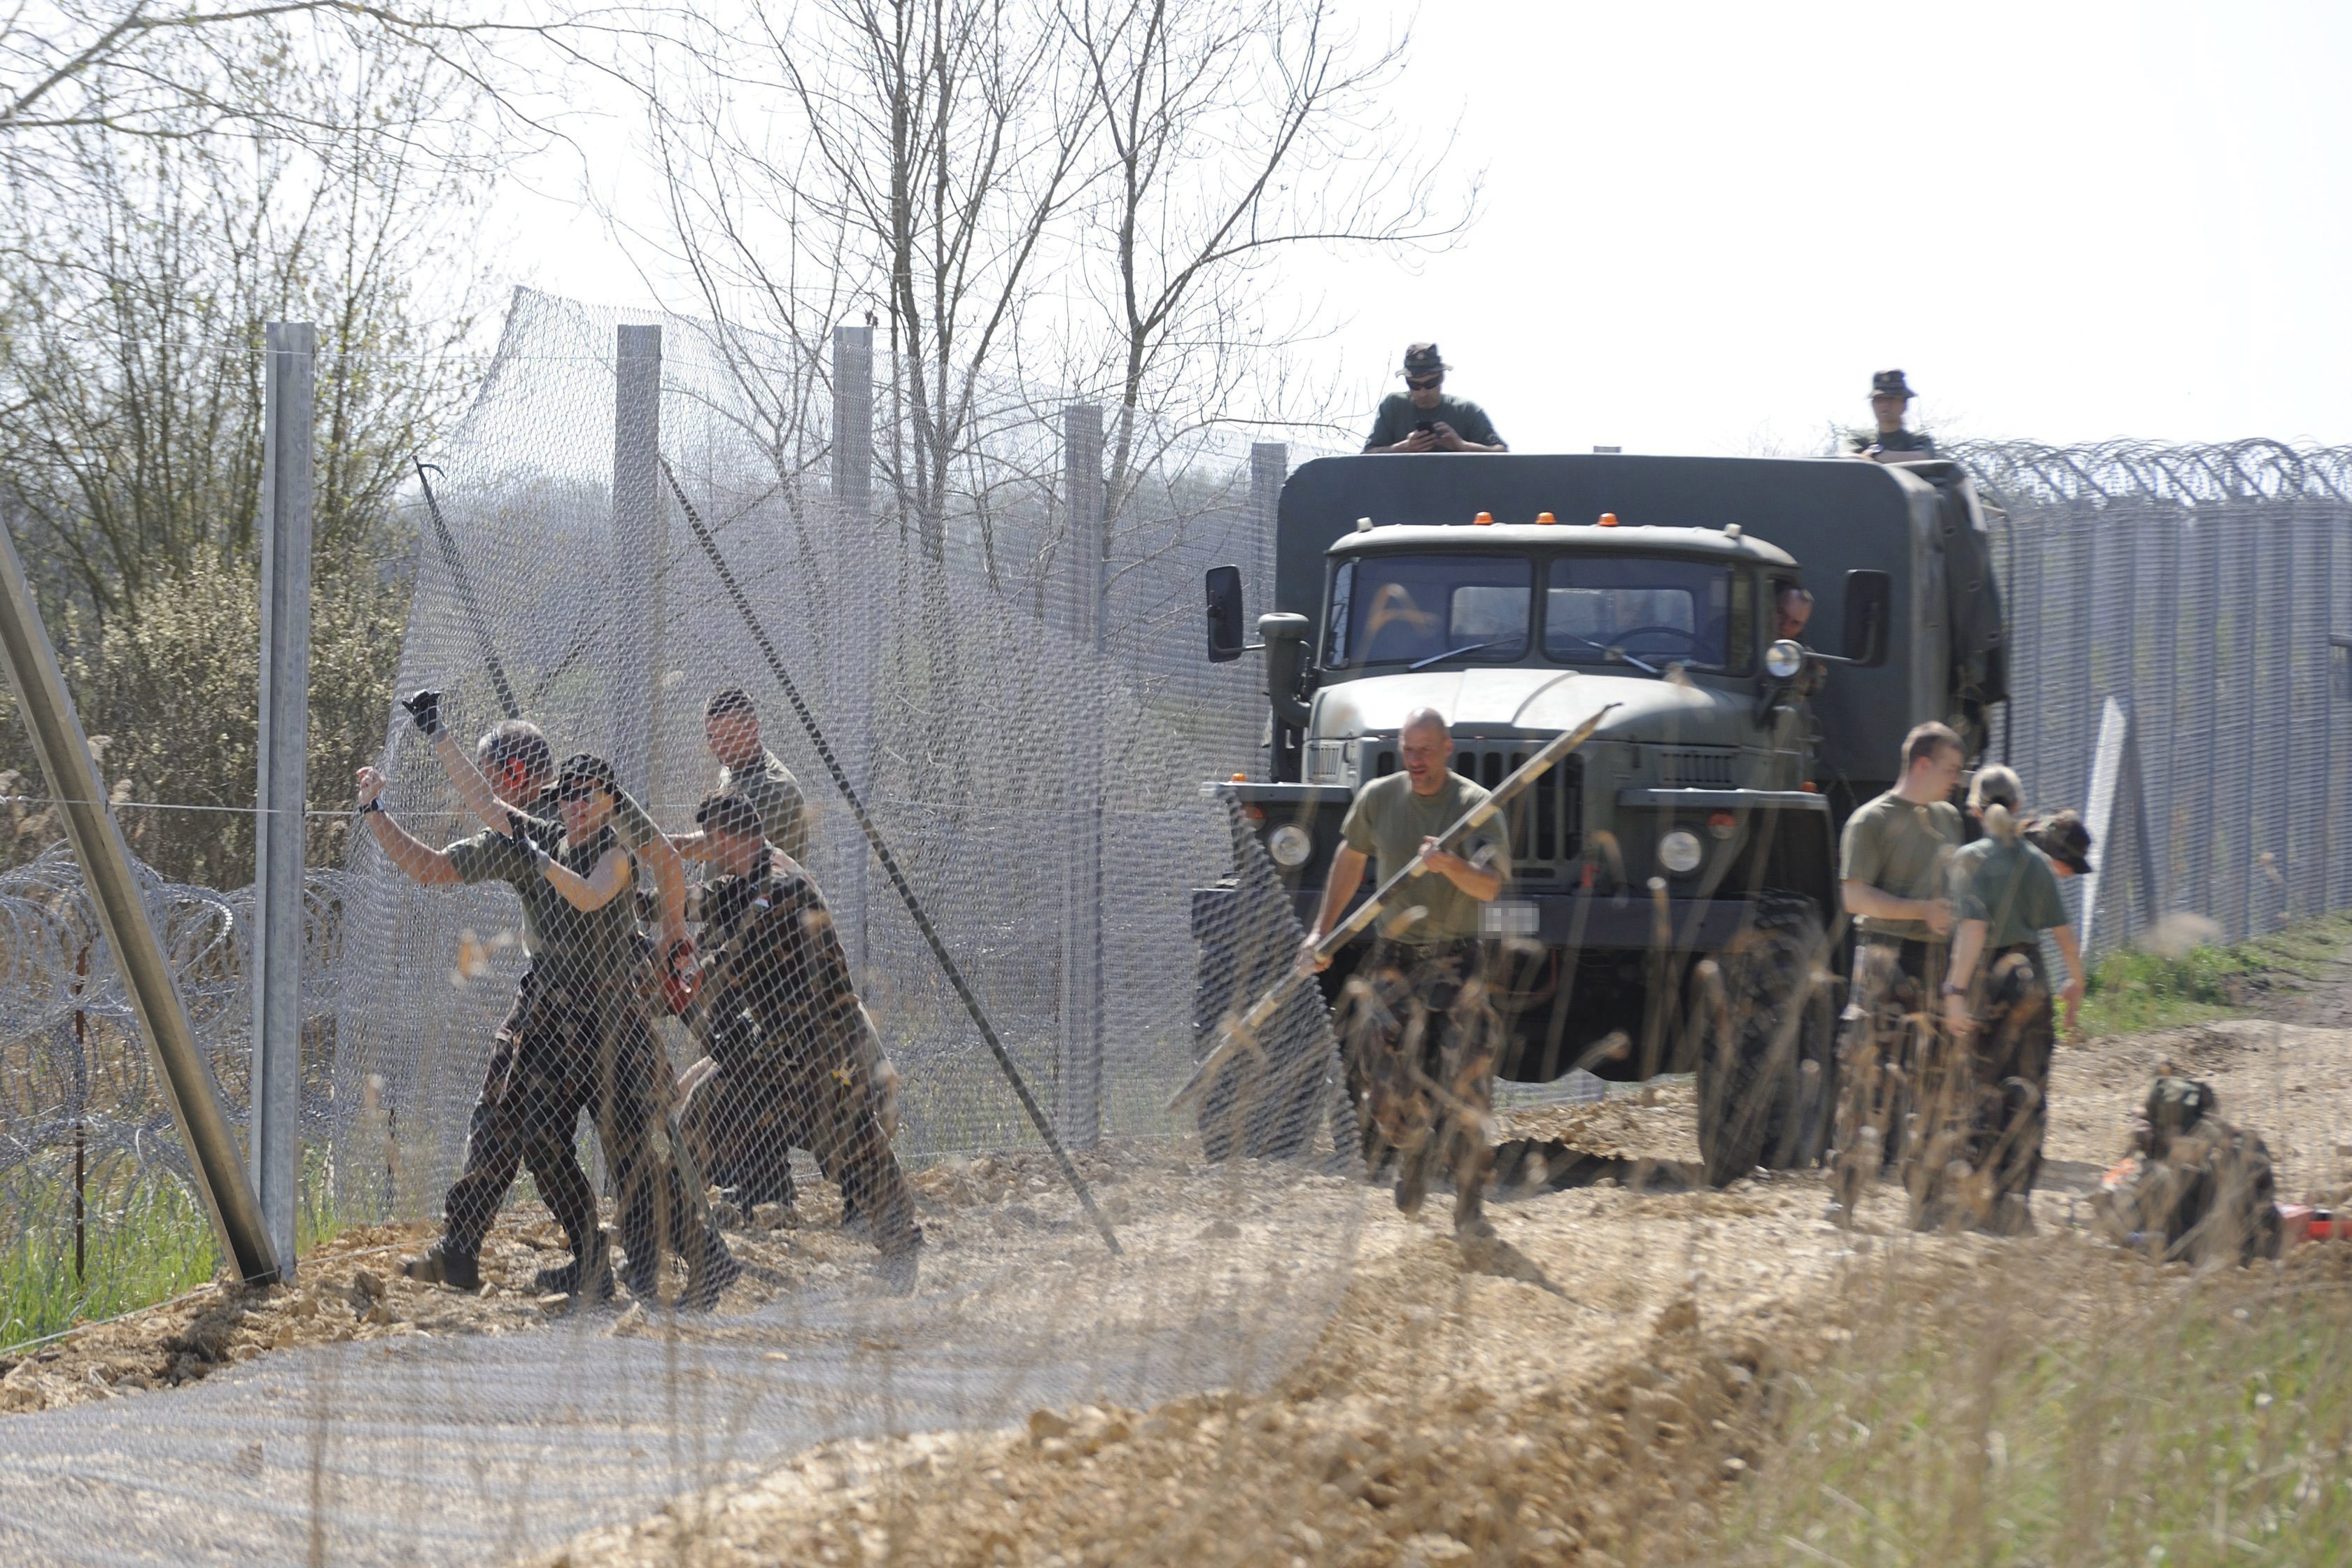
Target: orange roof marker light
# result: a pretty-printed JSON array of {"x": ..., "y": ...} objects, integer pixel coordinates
[
  {"x": 1608, "y": 520},
  {"x": 1545, "y": 519},
  {"x": 1483, "y": 520}
]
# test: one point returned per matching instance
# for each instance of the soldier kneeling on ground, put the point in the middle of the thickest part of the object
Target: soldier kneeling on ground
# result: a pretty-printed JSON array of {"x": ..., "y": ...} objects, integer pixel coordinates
[
  {"x": 2194, "y": 1187},
  {"x": 794, "y": 1059},
  {"x": 1985, "y": 1147}
]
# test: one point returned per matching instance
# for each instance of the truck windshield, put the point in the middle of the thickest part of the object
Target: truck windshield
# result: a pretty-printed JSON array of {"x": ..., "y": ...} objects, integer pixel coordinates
[
  {"x": 1658, "y": 612},
  {"x": 1415, "y": 608}
]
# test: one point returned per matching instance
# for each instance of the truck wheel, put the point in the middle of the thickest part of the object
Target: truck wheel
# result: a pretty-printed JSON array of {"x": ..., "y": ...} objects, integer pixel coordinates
[{"x": 1763, "y": 1037}]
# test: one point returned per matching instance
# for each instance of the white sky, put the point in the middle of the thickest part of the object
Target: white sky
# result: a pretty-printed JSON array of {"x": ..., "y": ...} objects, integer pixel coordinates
[{"x": 1704, "y": 226}]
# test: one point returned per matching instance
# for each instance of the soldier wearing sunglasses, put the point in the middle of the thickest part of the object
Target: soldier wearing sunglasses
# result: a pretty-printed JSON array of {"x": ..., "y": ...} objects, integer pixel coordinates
[
  {"x": 573, "y": 1039},
  {"x": 1422, "y": 418}
]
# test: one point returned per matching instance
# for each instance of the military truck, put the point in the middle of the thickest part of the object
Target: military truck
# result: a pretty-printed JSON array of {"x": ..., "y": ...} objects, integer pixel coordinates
[{"x": 1673, "y": 901}]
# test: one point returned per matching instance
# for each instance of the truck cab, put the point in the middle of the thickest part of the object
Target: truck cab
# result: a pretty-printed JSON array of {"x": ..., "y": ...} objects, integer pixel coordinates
[{"x": 1673, "y": 900}]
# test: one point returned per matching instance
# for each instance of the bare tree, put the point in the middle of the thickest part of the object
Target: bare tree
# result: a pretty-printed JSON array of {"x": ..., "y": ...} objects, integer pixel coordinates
[
  {"x": 1235, "y": 132},
  {"x": 138, "y": 274},
  {"x": 155, "y": 70},
  {"x": 916, "y": 156}
]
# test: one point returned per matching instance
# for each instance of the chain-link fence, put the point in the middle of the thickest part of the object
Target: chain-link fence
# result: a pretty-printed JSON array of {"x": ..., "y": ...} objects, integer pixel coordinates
[
  {"x": 998, "y": 649},
  {"x": 2206, "y": 593}
]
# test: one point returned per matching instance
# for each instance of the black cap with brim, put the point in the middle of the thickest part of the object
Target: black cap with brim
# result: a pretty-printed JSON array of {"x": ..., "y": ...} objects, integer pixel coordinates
[
  {"x": 586, "y": 767},
  {"x": 2065, "y": 840}
]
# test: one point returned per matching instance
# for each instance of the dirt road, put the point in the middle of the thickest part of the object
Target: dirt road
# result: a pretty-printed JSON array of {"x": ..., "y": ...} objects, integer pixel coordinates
[
  {"x": 1386, "y": 1398},
  {"x": 1615, "y": 1358}
]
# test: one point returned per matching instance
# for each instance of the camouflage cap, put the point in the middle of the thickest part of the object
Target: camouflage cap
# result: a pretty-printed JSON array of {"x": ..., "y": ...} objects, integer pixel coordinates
[
  {"x": 1890, "y": 384},
  {"x": 1421, "y": 359},
  {"x": 2063, "y": 837}
]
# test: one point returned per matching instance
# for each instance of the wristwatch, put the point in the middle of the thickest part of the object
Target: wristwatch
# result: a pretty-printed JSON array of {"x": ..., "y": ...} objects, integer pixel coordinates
[
  {"x": 1952, "y": 990},
  {"x": 375, "y": 804}
]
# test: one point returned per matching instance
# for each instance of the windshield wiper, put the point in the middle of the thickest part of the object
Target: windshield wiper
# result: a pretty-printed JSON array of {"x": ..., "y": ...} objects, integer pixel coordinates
[
  {"x": 1609, "y": 652},
  {"x": 1457, "y": 652}
]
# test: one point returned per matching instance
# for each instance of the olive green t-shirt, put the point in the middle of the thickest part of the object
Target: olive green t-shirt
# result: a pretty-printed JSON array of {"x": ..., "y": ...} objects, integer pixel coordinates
[
  {"x": 2009, "y": 887},
  {"x": 1901, "y": 849},
  {"x": 776, "y": 795},
  {"x": 632, "y": 824},
  {"x": 1388, "y": 821},
  {"x": 582, "y": 946},
  {"x": 1399, "y": 417}
]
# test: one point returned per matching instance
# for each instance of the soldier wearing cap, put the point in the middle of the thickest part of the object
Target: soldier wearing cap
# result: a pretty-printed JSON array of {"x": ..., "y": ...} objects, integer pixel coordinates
[
  {"x": 2004, "y": 896},
  {"x": 1890, "y": 396},
  {"x": 795, "y": 1058},
  {"x": 1422, "y": 418},
  {"x": 578, "y": 1037}
]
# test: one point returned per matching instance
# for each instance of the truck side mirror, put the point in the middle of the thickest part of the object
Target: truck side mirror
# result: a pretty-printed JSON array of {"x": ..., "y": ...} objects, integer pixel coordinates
[
  {"x": 1869, "y": 610},
  {"x": 1226, "y": 639},
  {"x": 1285, "y": 638}
]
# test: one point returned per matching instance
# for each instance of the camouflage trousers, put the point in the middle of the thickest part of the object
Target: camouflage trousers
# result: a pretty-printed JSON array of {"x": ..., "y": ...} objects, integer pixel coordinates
[
  {"x": 1421, "y": 1038},
  {"x": 743, "y": 1123},
  {"x": 527, "y": 1117},
  {"x": 2001, "y": 1082},
  {"x": 1884, "y": 1038},
  {"x": 565, "y": 1049}
]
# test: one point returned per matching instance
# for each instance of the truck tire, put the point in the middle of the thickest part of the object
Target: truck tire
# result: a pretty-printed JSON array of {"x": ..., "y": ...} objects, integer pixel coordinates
[{"x": 1763, "y": 1036}]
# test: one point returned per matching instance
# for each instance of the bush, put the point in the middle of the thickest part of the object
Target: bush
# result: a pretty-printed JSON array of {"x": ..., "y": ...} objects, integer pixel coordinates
[{"x": 173, "y": 692}]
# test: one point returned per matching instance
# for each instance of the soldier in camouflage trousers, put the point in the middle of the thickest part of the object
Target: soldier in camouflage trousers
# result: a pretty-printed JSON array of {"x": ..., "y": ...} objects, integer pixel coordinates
[
  {"x": 795, "y": 1058},
  {"x": 1423, "y": 1035}
]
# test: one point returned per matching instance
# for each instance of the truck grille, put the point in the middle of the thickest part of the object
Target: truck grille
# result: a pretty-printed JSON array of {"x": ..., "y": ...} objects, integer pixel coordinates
[
  {"x": 1687, "y": 768},
  {"x": 1547, "y": 822}
]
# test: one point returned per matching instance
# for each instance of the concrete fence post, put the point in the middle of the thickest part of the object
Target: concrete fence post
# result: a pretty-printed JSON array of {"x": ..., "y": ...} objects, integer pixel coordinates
[
  {"x": 1079, "y": 1083},
  {"x": 639, "y": 541},
  {"x": 273, "y": 1148},
  {"x": 860, "y": 580}
]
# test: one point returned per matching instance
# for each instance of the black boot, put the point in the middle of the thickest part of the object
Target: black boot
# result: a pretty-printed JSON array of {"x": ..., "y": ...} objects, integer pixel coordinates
[
  {"x": 443, "y": 1264},
  {"x": 899, "y": 1266},
  {"x": 592, "y": 1275},
  {"x": 710, "y": 1275}
]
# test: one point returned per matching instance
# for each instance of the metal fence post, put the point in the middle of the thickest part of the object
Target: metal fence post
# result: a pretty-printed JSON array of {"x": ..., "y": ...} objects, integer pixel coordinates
[
  {"x": 182, "y": 1075},
  {"x": 275, "y": 1146},
  {"x": 855, "y": 594},
  {"x": 639, "y": 519},
  {"x": 1078, "y": 1084}
]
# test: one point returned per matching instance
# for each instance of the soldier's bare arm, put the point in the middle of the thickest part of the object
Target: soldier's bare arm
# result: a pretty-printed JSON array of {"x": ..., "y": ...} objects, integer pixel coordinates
[
  {"x": 670, "y": 891},
  {"x": 2069, "y": 947},
  {"x": 1347, "y": 875},
  {"x": 1876, "y": 904},
  {"x": 1481, "y": 882},
  {"x": 472, "y": 788},
  {"x": 417, "y": 860},
  {"x": 612, "y": 875},
  {"x": 1966, "y": 948}
]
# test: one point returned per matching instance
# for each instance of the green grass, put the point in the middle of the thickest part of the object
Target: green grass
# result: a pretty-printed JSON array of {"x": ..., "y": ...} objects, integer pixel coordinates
[
  {"x": 145, "y": 1239},
  {"x": 2206, "y": 1423},
  {"x": 2135, "y": 990}
]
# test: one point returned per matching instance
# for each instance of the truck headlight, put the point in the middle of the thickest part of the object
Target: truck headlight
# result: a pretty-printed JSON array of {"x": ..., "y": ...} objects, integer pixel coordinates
[
  {"x": 1290, "y": 844},
  {"x": 1783, "y": 659},
  {"x": 1679, "y": 851}
]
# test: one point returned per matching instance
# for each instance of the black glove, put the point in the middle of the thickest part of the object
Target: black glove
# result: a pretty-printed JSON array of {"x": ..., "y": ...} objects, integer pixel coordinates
[
  {"x": 424, "y": 708},
  {"x": 520, "y": 835}
]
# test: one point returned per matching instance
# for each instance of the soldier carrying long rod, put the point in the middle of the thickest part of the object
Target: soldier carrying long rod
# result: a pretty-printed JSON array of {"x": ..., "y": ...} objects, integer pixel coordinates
[{"x": 1420, "y": 1035}]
